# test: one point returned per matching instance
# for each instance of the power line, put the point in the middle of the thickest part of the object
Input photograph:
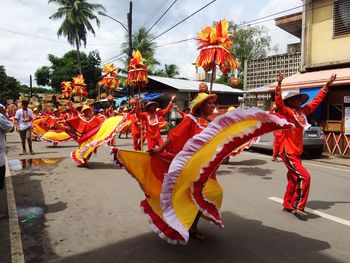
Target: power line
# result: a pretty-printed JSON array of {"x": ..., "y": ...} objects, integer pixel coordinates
[
  {"x": 155, "y": 12},
  {"x": 49, "y": 39},
  {"x": 183, "y": 20},
  {"x": 176, "y": 42},
  {"x": 166, "y": 11}
]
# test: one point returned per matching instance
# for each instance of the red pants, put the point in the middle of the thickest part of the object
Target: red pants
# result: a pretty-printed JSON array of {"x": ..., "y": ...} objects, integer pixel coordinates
[
  {"x": 277, "y": 141},
  {"x": 152, "y": 143},
  {"x": 298, "y": 185},
  {"x": 137, "y": 141}
]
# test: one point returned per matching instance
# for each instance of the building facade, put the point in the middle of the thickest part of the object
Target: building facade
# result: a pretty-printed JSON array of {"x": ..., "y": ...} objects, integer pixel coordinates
[{"x": 325, "y": 50}]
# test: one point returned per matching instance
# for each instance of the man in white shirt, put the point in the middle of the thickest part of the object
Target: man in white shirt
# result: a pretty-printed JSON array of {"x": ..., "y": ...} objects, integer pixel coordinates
[
  {"x": 23, "y": 119},
  {"x": 5, "y": 126}
]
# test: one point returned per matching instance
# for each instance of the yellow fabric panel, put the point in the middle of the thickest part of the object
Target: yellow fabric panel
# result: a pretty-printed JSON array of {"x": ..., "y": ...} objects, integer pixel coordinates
[
  {"x": 183, "y": 206},
  {"x": 139, "y": 165},
  {"x": 56, "y": 136},
  {"x": 103, "y": 133}
]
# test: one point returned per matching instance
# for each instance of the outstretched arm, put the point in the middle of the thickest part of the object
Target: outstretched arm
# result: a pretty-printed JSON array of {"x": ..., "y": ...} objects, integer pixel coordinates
[
  {"x": 310, "y": 107},
  {"x": 167, "y": 109},
  {"x": 282, "y": 109}
]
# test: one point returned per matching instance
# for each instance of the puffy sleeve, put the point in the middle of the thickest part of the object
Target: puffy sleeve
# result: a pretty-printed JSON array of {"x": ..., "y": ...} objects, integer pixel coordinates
[{"x": 5, "y": 124}]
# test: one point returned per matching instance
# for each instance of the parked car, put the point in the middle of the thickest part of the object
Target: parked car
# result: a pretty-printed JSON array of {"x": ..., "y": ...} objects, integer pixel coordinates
[{"x": 313, "y": 141}]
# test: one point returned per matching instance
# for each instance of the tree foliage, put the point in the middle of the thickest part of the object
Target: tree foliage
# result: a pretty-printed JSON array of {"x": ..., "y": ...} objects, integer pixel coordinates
[
  {"x": 64, "y": 68},
  {"x": 76, "y": 15},
  {"x": 141, "y": 40},
  {"x": 249, "y": 42},
  {"x": 169, "y": 71},
  {"x": 9, "y": 86}
]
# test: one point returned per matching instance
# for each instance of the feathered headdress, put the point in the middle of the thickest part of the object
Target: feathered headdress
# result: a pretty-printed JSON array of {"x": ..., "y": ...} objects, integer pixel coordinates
[
  {"x": 137, "y": 72},
  {"x": 109, "y": 78},
  {"x": 79, "y": 86},
  {"x": 66, "y": 87},
  {"x": 214, "y": 46}
]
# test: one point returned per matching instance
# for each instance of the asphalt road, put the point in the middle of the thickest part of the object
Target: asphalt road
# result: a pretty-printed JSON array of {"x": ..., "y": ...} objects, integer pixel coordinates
[{"x": 92, "y": 215}]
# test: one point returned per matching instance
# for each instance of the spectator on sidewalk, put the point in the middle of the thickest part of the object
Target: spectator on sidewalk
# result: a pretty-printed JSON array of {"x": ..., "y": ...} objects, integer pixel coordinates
[
  {"x": 5, "y": 126},
  {"x": 23, "y": 119}
]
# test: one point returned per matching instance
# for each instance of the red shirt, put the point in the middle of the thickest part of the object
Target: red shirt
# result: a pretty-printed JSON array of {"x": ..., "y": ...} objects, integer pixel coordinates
[
  {"x": 152, "y": 121},
  {"x": 293, "y": 143},
  {"x": 186, "y": 129},
  {"x": 135, "y": 123}
]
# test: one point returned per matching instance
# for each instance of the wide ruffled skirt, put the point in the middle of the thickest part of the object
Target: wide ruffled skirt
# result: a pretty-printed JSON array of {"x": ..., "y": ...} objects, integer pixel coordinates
[{"x": 177, "y": 188}]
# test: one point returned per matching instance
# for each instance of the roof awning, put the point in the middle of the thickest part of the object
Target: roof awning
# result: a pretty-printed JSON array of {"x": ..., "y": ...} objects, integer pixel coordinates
[
  {"x": 314, "y": 79},
  {"x": 150, "y": 96}
]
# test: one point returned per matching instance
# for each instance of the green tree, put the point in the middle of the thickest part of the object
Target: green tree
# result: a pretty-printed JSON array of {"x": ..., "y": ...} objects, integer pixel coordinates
[
  {"x": 169, "y": 71},
  {"x": 43, "y": 75},
  {"x": 77, "y": 15},
  {"x": 64, "y": 68},
  {"x": 9, "y": 86},
  {"x": 249, "y": 42},
  {"x": 141, "y": 40}
]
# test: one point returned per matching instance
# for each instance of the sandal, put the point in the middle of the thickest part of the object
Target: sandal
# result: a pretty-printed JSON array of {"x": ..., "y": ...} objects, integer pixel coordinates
[{"x": 197, "y": 235}]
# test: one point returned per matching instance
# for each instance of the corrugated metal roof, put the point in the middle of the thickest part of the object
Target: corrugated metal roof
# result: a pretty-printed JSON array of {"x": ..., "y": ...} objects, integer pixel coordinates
[
  {"x": 314, "y": 79},
  {"x": 258, "y": 90},
  {"x": 192, "y": 86}
]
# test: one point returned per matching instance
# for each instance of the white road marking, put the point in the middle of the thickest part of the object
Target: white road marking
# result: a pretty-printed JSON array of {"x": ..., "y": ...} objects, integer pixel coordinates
[
  {"x": 304, "y": 162},
  {"x": 15, "y": 232},
  {"x": 316, "y": 212}
]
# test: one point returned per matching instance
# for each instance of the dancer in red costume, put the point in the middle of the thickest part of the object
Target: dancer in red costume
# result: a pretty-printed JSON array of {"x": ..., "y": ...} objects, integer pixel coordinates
[
  {"x": 202, "y": 107},
  {"x": 151, "y": 120},
  {"x": 135, "y": 130},
  {"x": 291, "y": 108}
]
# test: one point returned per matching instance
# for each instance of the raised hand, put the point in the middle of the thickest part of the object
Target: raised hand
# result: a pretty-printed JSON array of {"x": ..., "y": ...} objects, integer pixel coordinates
[
  {"x": 331, "y": 79},
  {"x": 280, "y": 78}
]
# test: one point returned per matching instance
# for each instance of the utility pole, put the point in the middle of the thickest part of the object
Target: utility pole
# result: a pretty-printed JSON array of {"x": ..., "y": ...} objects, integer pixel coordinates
[
  {"x": 129, "y": 16},
  {"x": 30, "y": 86}
]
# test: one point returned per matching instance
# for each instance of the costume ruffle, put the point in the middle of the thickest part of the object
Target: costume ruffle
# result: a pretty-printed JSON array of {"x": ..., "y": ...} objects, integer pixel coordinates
[
  {"x": 189, "y": 185},
  {"x": 105, "y": 133},
  {"x": 56, "y": 136}
]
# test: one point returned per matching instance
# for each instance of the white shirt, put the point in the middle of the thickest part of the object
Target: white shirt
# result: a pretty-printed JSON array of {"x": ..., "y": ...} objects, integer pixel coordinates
[
  {"x": 5, "y": 126},
  {"x": 24, "y": 118}
]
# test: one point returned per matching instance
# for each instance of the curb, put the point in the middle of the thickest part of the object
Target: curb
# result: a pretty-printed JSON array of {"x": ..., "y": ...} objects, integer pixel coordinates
[
  {"x": 17, "y": 255},
  {"x": 330, "y": 162}
]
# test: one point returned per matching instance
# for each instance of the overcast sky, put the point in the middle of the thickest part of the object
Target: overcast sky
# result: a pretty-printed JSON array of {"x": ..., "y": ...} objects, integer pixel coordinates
[{"x": 33, "y": 35}]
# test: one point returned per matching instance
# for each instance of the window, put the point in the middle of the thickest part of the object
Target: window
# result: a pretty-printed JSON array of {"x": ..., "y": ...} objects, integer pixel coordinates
[{"x": 341, "y": 18}]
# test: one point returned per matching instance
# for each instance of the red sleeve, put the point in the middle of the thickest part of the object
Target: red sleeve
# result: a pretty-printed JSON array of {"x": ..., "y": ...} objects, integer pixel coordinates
[
  {"x": 166, "y": 110},
  {"x": 282, "y": 109},
  {"x": 311, "y": 106},
  {"x": 140, "y": 115},
  {"x": 180, "y": 135}
]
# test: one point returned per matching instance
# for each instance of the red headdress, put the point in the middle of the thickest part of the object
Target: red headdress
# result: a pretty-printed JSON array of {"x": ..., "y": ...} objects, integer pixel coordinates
[
  {"x": 79, "y": 86},
  {"x": 66, "y": 87},
  {"x": 137, "y": 72},
  {"x": 109, "y": 80},
  {"x": 214, "y": 46}
]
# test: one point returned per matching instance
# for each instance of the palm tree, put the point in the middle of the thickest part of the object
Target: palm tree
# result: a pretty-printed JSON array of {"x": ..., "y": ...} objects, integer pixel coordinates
[
  {"x": 142, "y": 41},
  {"x": 77, "y": 16},
  {"x": 171, "y": 70}
]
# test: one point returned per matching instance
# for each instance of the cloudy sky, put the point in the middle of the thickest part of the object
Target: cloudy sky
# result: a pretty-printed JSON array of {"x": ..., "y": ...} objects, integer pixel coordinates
[{"x": 27, "y": 35}]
